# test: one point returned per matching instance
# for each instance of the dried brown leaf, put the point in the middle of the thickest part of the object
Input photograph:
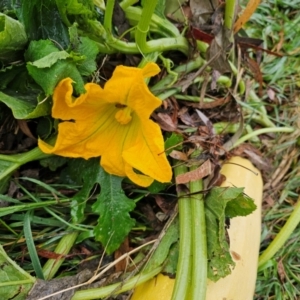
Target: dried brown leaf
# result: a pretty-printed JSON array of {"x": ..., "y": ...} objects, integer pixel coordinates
[
  {"x": 165, "y": 121},
  {"x": 204, "y": 170},
  {"x": 245, "y": 16},
  {"x": 178, "y": 155},
  {"x": 23, "y": 125}
]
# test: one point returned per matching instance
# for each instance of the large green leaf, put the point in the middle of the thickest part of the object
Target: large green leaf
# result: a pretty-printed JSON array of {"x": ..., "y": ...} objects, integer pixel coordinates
[
  {"x": 12, "y": 37},
  {"x": 112, "y": 205},
  {"x": 26, "y": 106},
  {"x": 42, "y": 20},
  {"x": 48, "y": 65}
]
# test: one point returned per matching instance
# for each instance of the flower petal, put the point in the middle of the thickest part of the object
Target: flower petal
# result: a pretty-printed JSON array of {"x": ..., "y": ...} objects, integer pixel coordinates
[
  {"x": 66, "y": 107},
  {"x": 139, "y": 179},
  {"x": 147, "y": 153},
  {"x": 150, "y": 69},
  {"x": 135, "y": 92}
]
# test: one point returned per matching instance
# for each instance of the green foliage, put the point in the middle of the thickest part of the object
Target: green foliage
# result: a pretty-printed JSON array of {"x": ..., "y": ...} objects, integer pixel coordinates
[
  {"x": 219, "y": 204},
  {"x": 42, "y": 20},
  {"x": 161, "y": 253},
  {"x": 174, "y": 141},
  {"x": 112, "y": 205},
  {"x": 12, "y": 38},
  {"x": 15, "y": 282},
  {"x": 26, "y": 106},
  {"x": 48, "y": 65}
]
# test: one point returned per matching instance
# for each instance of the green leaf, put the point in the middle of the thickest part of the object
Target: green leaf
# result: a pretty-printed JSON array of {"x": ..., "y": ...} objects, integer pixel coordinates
[
  {"x": 157, "y": 187},
  {"x": 42, "y": 20},
  {"x": 221, "y": 203},
  {"x": 90, "y": 49},
  {"x": 173, "y": 142},
  {"x": 12, "y": 37},
  {"x": 53, "y": 162},
  {"x": 47, "y": 77},
  {"x": 15, "y": 282},
  {"x": 242, "y": 205},
  {"x": 160, "y": 9},
  {"x": 50, "y": 59},
  {"x": 162, "y": 251},
  {"x": 47, "y": 65},
  {"x": 10, "y": 73},
  {"x": 113, "y": 206},
  {"x": 27, "y": 106},
  {"x": 67, "y": 8},
  {"x": 174, "y": 9},
  {"x": 170, "y": 265},
  {"x": 85, "y": 173}
]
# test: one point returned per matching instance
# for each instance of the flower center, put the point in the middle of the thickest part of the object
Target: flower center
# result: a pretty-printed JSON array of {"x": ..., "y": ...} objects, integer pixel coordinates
[{"x": 123, "y": 115}]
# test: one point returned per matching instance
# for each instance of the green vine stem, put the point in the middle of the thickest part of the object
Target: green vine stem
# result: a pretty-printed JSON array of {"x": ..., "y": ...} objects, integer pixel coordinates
[
  {"x": 17, "y": 160},
  {"x": 162, "y": 26},
  {"x": 281, "y": 237},
  {"x": 164, "y": 44},
  {"x": 109, "y": 10},
  {"x": 143, "y": 25},
  {"x": 183, "y": 273},
  {"x": 261, "y": 131},
  {"x": 199, "y": 241}
]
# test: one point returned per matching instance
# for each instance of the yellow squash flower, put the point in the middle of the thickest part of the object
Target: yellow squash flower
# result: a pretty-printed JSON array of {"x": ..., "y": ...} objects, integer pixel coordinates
[{"x": 113, "y": 122}]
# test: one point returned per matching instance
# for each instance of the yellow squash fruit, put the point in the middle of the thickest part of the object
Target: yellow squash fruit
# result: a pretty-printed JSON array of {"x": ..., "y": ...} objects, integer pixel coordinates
[{"x": 244, "y": 233}]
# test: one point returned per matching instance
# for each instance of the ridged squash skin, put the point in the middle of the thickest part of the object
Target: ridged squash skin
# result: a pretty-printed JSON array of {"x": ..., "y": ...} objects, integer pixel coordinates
[{"x": 244, "y": 233}]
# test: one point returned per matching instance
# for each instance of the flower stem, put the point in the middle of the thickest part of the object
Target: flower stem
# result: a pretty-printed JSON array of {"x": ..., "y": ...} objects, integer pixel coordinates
[
  {"x": 183, "y": 273},
  {"x": 144, "y": 25},
  {"x": 282, "y": 236},
  {"x": 199, "y": 242}
]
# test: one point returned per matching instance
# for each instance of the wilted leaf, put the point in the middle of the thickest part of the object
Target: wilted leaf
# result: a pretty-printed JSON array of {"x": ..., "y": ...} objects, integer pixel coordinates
[
  {"x": 178, "y": 155},
  {"x": 221, "y": 203},
  {"x": 204, "y": 170}
]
